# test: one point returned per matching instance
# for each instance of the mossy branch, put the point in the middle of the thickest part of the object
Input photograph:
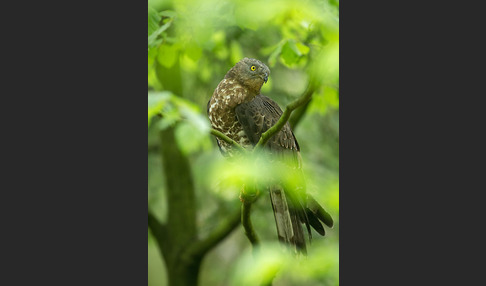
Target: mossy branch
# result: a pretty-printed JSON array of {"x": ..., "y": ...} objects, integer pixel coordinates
[
  {"x": 246, "y": 222},
  {"x": 297, "y": 115},
  {"x": 227, "y": 139},
  {"x": 248, "y": 196},
  {"x": 285, "y": 117}
]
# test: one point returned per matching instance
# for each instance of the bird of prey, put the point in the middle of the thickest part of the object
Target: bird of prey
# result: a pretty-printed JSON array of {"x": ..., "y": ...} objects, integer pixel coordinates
[{"x": 238, "y": 110}]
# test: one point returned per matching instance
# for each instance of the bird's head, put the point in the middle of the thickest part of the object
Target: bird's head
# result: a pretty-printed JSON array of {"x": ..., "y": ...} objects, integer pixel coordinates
[{"x": 251, "y": 73}]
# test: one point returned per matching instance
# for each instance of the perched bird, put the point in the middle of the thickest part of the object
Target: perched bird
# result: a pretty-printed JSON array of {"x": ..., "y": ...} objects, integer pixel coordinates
[{"x": 238, "y": 110}]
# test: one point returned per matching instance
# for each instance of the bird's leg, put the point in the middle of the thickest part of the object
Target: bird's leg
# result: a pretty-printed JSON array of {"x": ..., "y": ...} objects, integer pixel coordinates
[{"x": 248, "y": 194}]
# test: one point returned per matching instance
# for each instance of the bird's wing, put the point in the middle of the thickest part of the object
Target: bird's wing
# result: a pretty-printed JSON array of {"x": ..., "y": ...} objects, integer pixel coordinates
[{"x": 256, "y": 117}]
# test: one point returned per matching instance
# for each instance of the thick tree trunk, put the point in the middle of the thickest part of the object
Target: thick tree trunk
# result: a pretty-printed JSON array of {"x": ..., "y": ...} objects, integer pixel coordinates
[
  {"x": 181, "y": 222},
  {"x": 184, "y": 273},
  {"x": 178, "y": 240}
]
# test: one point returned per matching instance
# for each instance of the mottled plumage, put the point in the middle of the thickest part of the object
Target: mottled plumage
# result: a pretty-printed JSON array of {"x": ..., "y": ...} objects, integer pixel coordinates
[{"x": 238, "y": 110}]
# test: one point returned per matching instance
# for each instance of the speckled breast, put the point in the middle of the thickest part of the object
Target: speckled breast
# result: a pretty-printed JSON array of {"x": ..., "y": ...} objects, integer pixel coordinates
[{"x": 222, "y": 115}]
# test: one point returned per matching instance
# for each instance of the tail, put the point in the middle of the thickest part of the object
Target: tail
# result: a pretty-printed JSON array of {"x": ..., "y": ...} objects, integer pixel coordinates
[
  {"x": 289, "y": 228},
  {"x": 290, "y": 214}
]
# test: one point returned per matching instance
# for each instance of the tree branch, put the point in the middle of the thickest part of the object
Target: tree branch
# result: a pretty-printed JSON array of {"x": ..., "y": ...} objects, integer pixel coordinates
[
  {"x": 285, "y": 117},
  {"x": 246, "y": 222},
  {"x": 201, "y": 247},
  {"x": 158, "y": 231},
  {"x": 227, "y": 139},
  {"x": 299, "y": 112}
]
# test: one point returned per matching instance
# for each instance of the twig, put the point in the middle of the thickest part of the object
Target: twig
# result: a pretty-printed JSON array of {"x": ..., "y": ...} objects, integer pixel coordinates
[
  {"x": 246, "y": 222},
  {"x": 299, "y": 113},
  {"x": 285, "y": 117},
  {"x": 201, "y": 247},
  {"x": 227, "y": 139}
]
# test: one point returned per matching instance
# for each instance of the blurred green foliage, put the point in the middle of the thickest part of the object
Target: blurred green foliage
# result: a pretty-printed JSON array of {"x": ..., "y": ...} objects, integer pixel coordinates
[{"x": 191, "y": 46}]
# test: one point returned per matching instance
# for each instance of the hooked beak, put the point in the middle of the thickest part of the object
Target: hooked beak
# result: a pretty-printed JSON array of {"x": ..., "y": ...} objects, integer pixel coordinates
[{"x": 265, "y": 78}]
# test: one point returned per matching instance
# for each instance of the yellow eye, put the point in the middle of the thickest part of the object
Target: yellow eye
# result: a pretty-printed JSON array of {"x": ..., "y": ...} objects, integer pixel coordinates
[{"x": 253, "y": 68}]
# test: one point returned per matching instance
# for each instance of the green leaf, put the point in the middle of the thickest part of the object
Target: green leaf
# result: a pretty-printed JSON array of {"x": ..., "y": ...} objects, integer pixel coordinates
[
  {"x": 303, "y": 49},
  {"x": 153, "y": 80},
  {"x": 272, "y": 59},
  {"x": 290, "y": 53},
  {"x": 191, "y": 112},
  {"x": 153, "y": 21},
  {"x": 167, "y": 55},
  {"x": 190, "y": 139},
  {"x": 168, "y": 13},
  {"x": 170, "y": 116},
  {"x": 174, "y": 109},
  {"x": 156, "y": 102},
  {"x": 293, "y": 46},
  {"x": 152, "y": 39},
  {"x": 154, "y": 31}
]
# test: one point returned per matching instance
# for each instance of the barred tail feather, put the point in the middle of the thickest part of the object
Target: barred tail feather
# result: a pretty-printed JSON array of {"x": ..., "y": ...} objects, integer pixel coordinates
[
  {"x": 313, "y": 207},
  {"x": 289, "y": 227}
]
